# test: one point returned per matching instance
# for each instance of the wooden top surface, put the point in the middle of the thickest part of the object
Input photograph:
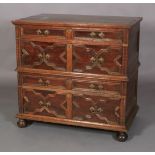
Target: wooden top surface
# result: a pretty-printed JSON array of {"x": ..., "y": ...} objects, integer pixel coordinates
[{"x": 79, "y": 20}]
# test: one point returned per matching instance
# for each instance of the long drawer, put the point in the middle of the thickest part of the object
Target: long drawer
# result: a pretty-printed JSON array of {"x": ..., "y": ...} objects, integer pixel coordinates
[
  {"x": 82, "y": 107},
  {"x": 73, "y": 83}
]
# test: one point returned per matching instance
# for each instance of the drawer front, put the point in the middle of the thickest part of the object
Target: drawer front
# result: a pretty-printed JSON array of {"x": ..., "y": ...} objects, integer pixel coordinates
[
  {"x": 42, "y": 31},
  {"x": 101, "y": 86},
  {"x": 103, "y": 35},
  {"x": 96, "y": 109},
  {"x": 42, "y": 55},
  {"x": 44, "y": 102},
  {"x": 97, "y": 59},
  {"x": 45, "y": 81}
]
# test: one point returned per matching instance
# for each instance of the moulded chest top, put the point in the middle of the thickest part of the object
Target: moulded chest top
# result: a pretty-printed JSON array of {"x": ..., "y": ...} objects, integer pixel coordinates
[{"x": 79, "y": 20}]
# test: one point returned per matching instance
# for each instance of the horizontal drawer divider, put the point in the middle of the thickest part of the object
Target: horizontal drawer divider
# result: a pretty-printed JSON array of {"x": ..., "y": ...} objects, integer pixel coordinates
[
  {"x": 67, "y": 41},
  {"x": 73, "y": 74},
  {"x": 108, "y": 94}
]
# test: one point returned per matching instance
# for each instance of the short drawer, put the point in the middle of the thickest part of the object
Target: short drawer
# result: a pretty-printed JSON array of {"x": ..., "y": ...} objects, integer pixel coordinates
[
  {"x": 43, "y": 31},
  {"x": 44, "y": 81},
  {"x": 44, "y": 102},
  {"x": 98, "y": 59},
  {"x": 96, "y": 109},
  {"x": 99, "y": 35},
  {"x": 98, "y": 86}
]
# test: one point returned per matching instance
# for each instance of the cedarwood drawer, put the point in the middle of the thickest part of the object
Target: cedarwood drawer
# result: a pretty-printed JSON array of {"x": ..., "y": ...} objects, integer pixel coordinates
[
  {"x": 98, "y": 59},
  {"x": 43, "y": 55},
  {"x": 106, "y": 35},
  {"x": 44, "y": 102},
  {"x": 96, "y": 109},
  {"x": 58, "y": 82},
  {"x": 45, "y": 31}
]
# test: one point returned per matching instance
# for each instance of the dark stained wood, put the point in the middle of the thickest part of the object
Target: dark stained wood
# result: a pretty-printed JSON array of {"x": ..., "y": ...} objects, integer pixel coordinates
[{"x": 78, "y": 70}]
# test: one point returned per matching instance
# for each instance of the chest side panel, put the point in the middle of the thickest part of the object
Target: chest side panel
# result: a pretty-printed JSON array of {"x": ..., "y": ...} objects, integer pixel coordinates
[{"x": 132, "y": 72}]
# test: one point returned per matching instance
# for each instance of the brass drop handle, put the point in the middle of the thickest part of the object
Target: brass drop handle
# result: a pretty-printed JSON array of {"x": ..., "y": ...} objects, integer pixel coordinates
[
  {"x": 46, "y": 104},
  {"x": 101, "y": 59},
  {"x": 92, "y": 59},
  {"x": 92, "y": 34},
  {"x": 96, "y": 109},
  {"x": 39, "y": 32},
  {"x": 46, "y": 32},
  {"x": 92, "y": 86},
  {"x": 47, "y": 82},
  {"x": 47, "y": 56},
  {"x": 41, "y": 103},
  {"x": 40, "y": 56},
  {"x": 43, "y": 83},
  {"x": 97, "y": 60},
  {"x": 92, "y": 109},
  {"x": 99, "y": 110},
  {"x": 100, "y": 87},
  {"x": 101, "y": 35}
]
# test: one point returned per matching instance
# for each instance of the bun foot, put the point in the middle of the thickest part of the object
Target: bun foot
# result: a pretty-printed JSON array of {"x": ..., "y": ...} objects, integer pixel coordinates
[
  {"x": 22, "y": 123},
  {"x": 122, "y": 136}
]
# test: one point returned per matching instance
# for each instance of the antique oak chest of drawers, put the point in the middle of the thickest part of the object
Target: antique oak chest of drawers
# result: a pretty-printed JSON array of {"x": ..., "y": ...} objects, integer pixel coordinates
[{"x": 78, "y": 70}]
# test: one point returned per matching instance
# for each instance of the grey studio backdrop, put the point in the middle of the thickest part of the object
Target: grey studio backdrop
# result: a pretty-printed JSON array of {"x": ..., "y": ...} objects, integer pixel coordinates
[{"x": 52, "y": 137}]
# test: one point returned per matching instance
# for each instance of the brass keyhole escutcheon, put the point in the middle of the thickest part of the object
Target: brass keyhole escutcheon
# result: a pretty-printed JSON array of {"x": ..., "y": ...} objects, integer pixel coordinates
[{"x": 46, "y": 32}]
